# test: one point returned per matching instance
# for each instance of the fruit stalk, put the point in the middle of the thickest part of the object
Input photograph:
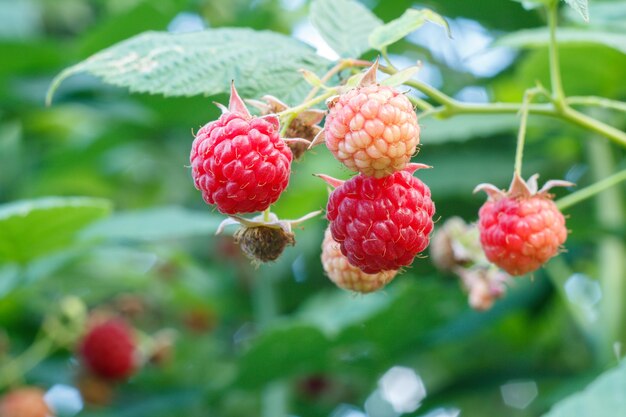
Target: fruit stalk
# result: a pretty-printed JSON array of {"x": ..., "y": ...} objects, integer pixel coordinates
[
  {"x": 37, "y": 352},
  {"x": 610, "y": 253}
]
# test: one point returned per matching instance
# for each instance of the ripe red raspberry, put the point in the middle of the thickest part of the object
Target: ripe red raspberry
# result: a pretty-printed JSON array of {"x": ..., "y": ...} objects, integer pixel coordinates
[
  {"x": 381, "y": 223},
  {"x": 109, "y": 351},
  {"x": 239, "y": 162},
  {"x": 347, "y": 276},
  {"x": 24, "y": 402},
  {"x": 372, "y": 129},
  {"x": 521, "y": 229}
]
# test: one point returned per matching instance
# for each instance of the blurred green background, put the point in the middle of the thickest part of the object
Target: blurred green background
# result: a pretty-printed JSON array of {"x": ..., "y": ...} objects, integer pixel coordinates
[{"x": 282, "y": 338}]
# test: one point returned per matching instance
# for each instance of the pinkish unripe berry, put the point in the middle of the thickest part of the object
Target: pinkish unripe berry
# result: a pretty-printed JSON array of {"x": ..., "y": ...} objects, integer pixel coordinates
[
  {"x": 347, "y": 276},
  {"x": 372, "y": 129}
]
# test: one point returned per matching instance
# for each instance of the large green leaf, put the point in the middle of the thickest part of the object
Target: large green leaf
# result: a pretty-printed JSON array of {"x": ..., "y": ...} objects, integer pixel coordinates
[
  {"x": 603, "y": 397},
  {"x": 187, "y": 64},
  {"x": 532, "y": 38},
  {"x": 154, "y": 224},
  {"x": 345, "y": 25},
  {"x": 32, "y": 228},
  {"x": 397, "y": 29}
]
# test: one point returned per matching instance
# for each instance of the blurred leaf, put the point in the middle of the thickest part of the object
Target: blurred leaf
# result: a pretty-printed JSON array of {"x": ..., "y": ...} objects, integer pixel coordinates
[
  {"x": 154, "y": 224},
  {"x": 143, "y": 16},
  {"x": 606, "y": 15},
  {"x": 186, "y": 64},
  {"x": 19, "y": 19},
  {"x": 332, "y": 311},
  {"x": 397, "y": 29},
  {"x": 465, "y": 127},
  {"x": 282, "y": 351},
  {"x": 603, "y": 397},
  {"x": 532, "y": 38},
  {"x": 32, "y": 228},
  {"x": 600, "y": 76},
  {"x": 581, "y": 6},
  {"x": 345, "y": 25},
  {"x": 400, "y": 77}
]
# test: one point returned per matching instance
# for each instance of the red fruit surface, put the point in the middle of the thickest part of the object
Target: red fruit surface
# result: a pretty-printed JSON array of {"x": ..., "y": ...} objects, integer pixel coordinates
[
  {"x": 347, "y": 276},
  {"x": 521, "y": 234},
  {"x": 108, "y": 350},
  {"x": 240, "y": 164},
  {"x": 381, "y": 224},
  {"x": 372, "y": 130},
  {"x": 24, "y": 402}
]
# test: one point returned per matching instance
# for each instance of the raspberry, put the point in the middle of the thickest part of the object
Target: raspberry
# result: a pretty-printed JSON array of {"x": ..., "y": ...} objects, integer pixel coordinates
[
  {"x": 381, "y": 223},
  {"x": 346, "y": 276},
  {"x": 239, "y": 162},
  {"x": 24, "y": 402},
  {"x": 372, "y": 129},
  {"x": 521, "y": 229},
  {"x": 108, "y": 350}
]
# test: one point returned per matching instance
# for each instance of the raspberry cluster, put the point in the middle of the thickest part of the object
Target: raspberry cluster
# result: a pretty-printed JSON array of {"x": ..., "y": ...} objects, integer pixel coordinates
[{"x": 380, "y": 219}]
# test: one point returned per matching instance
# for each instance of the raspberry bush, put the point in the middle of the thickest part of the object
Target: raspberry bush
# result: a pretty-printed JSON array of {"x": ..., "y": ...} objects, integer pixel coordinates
[{"x": 164, "y": 253}]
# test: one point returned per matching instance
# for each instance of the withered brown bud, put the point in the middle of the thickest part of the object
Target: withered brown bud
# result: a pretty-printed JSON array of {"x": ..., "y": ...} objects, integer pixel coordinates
[{"x": 262, "y": 243}]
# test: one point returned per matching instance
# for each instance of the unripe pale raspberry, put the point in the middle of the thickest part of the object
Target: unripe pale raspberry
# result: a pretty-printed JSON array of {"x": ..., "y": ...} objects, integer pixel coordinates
[
  {"x": 372, "y": 129},
  {"x": 108, "y": 350},
  {"x": 347, "y": 276},
  {"x": 239, "y": 162},
  {"x": 382, "y": 223},
  {"x": 24, "y": 402},
  {"x": 521, "y": 229}
]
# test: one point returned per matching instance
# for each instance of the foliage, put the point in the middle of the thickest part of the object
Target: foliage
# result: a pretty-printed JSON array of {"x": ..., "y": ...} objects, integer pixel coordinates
[{"x": 280, "y": 339}]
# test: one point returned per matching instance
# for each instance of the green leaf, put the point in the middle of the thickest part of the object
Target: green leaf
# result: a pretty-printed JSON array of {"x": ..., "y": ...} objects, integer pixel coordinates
[
  {"x": 345, "y": 25},
  {"x": 401, "y": 77},
  {"x": 397, "y": 29},
  {"x": 603, "y": 397},
  {"x": 187, "y": 64},
  {"x": 32, "y": 228},
  {"x": 282, "y": 351},
  {"x": 333, "y": 311},
  {"x": 154, "y": 224},
  {"x": 465, "y": 127},
  {"x": 581, "y": 6},
  {"x": 532, "y": 38}
]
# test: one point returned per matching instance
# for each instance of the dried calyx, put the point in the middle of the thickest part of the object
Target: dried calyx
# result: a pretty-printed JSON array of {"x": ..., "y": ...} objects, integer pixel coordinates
[
  {"x": 264, "y": 237},
  {"x": 521, "y": 189},
  {"x": 302, "y": 129}
]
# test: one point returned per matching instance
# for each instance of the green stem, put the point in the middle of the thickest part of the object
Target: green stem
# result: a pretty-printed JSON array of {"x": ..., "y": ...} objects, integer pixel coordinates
[
  {"x": 594, "y": 125},
  {"x": 610, "y": 252},
  {"x": 568, "y": 114},
  {"x": 555, "y": 68},
  {"x": 596, "y": 102},
  {"x": 266, "y": 215},
  {"x": 521, "y": 134},
  {"x": 420, "y": 103},
  {"x": 15, "y": 369},
  {"x": 294, "y": 111},
  {"x": 591, "y": 191}
]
